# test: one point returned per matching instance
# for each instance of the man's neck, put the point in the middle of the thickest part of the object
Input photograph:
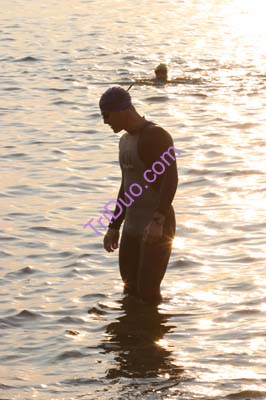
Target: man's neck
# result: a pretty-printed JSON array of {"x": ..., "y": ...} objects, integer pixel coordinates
[{"x": 135, "y": 123}]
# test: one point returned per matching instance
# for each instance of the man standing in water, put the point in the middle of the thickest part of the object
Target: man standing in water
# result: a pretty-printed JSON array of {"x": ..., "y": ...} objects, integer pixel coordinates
[{"x": 149, "y": 221}]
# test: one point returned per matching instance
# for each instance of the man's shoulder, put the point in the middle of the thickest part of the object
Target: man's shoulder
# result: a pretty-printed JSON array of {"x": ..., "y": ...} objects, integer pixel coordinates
[
  {"x": 123, "y": 137},
  {"x": 153, "y": 132}
]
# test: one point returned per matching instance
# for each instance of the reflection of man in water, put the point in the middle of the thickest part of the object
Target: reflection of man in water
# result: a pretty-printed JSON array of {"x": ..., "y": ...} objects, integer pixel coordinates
[
  {"x": 149, "y": 225},
  {"x": 161, "y": 73},
  {"x": 134, "y": 339}
]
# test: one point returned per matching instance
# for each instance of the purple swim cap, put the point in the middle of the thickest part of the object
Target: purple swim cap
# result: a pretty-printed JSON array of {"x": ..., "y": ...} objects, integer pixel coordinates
[{"x": 115, "y": 99}]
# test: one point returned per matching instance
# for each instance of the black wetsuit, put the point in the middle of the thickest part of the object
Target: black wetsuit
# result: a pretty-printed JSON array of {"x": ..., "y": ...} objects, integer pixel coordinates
[{"x": 143, "y": 265}]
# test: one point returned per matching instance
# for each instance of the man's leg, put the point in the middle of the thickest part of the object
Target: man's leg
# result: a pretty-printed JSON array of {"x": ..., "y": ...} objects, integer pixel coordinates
[
  {"x": 153, "y": 262},
  {"x": 129, "y": 254}
]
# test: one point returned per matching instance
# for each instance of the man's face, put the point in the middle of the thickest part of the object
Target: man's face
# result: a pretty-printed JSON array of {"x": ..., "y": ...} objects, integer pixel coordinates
[{"x": 114, "y": 119}]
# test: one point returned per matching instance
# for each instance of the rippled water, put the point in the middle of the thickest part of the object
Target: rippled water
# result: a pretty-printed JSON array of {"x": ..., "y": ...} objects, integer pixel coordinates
[{"x": 66, "y": 330}]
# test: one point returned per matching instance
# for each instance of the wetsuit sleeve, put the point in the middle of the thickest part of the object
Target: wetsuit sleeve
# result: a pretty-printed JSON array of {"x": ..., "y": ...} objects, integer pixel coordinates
[
  {"x": 153, "y": 143},
  {"x": 116, "y": 223}
]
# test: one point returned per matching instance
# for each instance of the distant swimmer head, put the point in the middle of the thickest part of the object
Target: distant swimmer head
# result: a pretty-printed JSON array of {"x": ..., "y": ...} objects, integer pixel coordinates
[
  {"x": 115, "y": 99},
  {"x": 161, "y": 72}
]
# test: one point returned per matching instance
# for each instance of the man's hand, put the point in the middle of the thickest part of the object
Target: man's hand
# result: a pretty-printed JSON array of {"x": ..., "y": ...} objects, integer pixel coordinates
[
  {"x": 153, "y": 232},
  {"x": 110, "y": 241}
]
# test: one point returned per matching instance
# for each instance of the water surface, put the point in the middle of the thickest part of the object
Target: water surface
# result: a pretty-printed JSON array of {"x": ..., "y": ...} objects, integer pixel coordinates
[{"x": 66, "y": 330}]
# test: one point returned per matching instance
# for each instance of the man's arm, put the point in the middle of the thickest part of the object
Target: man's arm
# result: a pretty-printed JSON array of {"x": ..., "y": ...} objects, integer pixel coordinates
[
  {"x": 116, "y": 223},
  {"x": 154, "y": 142},
  {"x": 111, "y": 238},
  {"x": 153, "y": 148}
]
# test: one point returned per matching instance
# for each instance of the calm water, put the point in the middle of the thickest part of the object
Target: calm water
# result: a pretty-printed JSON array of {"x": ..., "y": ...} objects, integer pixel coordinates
[{"x": 66, "y": 330}]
